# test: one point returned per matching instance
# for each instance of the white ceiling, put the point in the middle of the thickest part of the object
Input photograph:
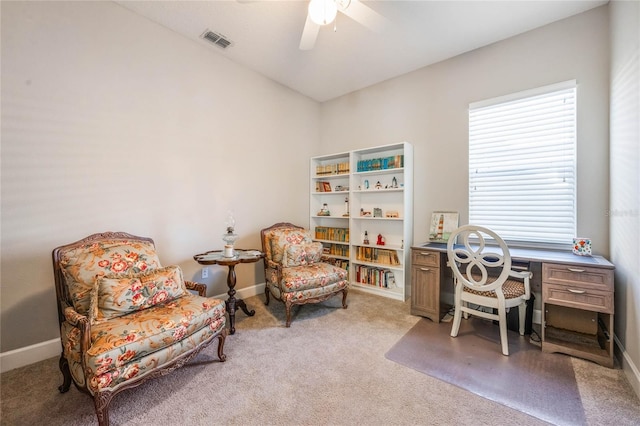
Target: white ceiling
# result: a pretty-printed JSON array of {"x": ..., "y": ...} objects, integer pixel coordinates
[{"x": 266, "y": 36}]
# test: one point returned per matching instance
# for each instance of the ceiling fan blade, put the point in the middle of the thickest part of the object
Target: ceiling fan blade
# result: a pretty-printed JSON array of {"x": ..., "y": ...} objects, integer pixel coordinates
[
  {"x": 309, "y": 34},
  {"x": 364, "y": 15}
]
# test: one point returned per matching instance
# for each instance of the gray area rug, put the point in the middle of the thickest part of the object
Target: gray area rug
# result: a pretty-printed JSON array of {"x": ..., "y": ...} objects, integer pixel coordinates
[{"x": 540, "y": 384}]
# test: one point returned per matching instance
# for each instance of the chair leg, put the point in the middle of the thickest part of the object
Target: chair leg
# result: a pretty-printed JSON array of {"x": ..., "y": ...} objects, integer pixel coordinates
[
  {"x": 457, "y": 315},
  {"x": 522, "y": 313},
  {"x": 344, "y": 299},
  {"x": 66, "y": 374},
  {"x": 266, "y": 294},
  {"x": 101, "y": 401},
  {"x": 502, "y": 319},
  {"x": 287, "y": 308},
  {"x": 221, "y": 338}
]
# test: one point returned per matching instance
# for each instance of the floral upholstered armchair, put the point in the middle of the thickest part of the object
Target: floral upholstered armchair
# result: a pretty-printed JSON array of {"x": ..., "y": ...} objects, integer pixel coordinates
[
  {"x": 294, "y": 272},
  {"x": 124, "y": 318}
]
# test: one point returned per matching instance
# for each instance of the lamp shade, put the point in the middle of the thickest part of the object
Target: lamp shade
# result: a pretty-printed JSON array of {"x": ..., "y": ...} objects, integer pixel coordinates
[{"x": 322, "y": 12}]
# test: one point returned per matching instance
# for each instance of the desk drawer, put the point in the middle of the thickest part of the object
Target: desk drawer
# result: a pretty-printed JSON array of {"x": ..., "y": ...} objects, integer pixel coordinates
[
  {"x": 425, "y": 258},
  {"x": 580, "y": 298},
  {"x": 578, "y": 277}
]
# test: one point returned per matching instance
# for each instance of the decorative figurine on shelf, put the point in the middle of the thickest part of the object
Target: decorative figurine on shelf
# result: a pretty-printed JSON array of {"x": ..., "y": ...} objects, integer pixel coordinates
[
  {"x": 380, "y": 241},
  {"x": 366, "y": 184},
  {"x": 377, "y": 212},
  {"x": 364, "y": 213},
  {"x": 378, "y": 185},
  {"x": 324, "y": 211},
  {"x": 346, "y": 207},
  {"x": 394, "y": 182},
  {"x": 366, "y": 238}
]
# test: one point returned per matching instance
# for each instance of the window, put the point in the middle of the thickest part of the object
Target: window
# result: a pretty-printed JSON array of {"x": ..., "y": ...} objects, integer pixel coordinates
[{"x": 522, "y": 165}]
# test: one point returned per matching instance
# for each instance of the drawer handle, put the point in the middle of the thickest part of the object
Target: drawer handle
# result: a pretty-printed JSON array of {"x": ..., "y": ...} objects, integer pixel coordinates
[
  {"x": 576, "y": 291},
  {"x": 575, "y": 270},
  {"x": 426, "y": 254},
  {"x": 425, "y": 269}
]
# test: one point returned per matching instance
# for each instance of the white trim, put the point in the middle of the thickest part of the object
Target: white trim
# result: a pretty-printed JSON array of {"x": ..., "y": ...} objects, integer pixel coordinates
[
  {"x": 30, "y": 354},
  {"x": 569, "y": 84},
  {"x": 27, "y": 355},
  {"x": 629, "y": 368}
]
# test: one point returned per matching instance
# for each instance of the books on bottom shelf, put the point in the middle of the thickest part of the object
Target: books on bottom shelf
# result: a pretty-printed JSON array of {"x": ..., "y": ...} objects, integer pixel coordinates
[
  {"x": 340, "y": 263},
  {"x": 376, "y": 277}
]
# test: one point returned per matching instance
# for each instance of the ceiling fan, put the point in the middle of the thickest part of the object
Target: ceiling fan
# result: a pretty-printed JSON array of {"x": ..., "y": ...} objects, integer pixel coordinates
[{"x": 323, "y": 12}]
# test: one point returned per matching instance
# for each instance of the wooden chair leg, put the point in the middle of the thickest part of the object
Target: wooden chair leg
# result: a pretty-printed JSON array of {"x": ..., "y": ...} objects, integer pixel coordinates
[
  {"x": 502, "y": 320},
  {"x": 66, "y": 374},
  {"x": 221, "y": 338},
  {"x": 522, "y": 313},
  {"x": 287, "y": 308},
  {"x": 344, "y": 299},
  {"x": 101, "y": 400},
  {"x": 266, "y": 294}
]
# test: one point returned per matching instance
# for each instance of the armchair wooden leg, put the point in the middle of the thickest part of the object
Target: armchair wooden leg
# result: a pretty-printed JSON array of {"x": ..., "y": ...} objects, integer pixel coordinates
[
  {"x": 101, "y": 400},
  {"x": 266, "y": 294},
  {"x": 344, "y": 299},
  {"x": 221, "y": 338},
  {"x": 66, "y": 374},
  {"x": 287, "y": 308}
]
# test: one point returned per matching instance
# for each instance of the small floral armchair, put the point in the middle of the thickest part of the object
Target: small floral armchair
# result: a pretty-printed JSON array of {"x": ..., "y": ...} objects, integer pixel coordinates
[
  {"x": 124, "y": 318},
  {"x": 294, "y": 272}
]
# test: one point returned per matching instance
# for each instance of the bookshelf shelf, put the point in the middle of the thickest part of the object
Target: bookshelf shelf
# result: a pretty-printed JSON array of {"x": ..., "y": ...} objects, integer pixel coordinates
[{"x": 379, "y": 181}]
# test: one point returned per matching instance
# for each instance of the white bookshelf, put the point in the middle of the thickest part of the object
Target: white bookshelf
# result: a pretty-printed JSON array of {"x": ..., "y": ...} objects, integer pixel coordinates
[{"x": 378, "y": 183}]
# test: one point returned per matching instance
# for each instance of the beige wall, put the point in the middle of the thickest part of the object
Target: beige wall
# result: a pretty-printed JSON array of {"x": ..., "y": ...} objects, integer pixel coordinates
[
  {"x": 111, "y": 122},
  {"x": 625, "y": 178},
  {"x": 429, "y": 108}
]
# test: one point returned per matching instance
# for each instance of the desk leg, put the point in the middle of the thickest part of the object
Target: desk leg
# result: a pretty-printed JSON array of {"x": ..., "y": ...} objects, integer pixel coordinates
[{"x": 232, "y": 302}]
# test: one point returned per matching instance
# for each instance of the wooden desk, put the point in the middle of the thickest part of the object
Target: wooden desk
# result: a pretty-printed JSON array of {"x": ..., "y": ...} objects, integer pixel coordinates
[{"x": 577, "y": 297}]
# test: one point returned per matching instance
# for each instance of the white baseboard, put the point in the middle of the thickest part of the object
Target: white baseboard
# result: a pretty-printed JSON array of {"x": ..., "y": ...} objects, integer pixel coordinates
[
  {"x": 629, "y": 368},
  {"x": 44, "y": 350}
]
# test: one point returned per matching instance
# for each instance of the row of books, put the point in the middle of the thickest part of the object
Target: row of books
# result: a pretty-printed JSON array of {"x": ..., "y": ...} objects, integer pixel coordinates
[
  {"x": 340, "y": 263},
  {"x": 375, "y": 276},
  {"x": 392, "y": 162},
  {"x": 377, "y": 255},
  {"x": 332, "y": 234},
  {"x": 332, "y": 169},
  {"x": 336, "y": 249}
]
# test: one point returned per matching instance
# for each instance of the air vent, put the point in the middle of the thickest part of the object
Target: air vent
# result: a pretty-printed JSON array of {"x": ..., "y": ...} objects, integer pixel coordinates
[{"x": 217, "y": 39}]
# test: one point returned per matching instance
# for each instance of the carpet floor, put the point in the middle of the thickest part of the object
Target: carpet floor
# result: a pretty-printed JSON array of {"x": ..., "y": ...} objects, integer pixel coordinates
[{"x": 540, "y": 384}]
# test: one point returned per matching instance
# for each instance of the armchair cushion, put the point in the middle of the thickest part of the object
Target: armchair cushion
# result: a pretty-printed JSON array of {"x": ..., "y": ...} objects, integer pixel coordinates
[
  {"x": 117, "y": 295},
  {"x": 279, "y": 239},
  {"x": 305, "y": 277},
  {"x": 301, "y": 254},
  {"x": 80, "y": 265}
]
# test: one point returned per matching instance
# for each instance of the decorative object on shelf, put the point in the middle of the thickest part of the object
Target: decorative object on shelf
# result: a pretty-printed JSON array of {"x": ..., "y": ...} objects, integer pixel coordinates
[
  {"x": 324, "y": 211},
  {"x": 392, "y": 213},
  {"x": 377, "y": 212},
  {"x": 346, "y": 207},
  {"x": 326, "y": 187},
  {"x": 230, "y": 236},
  {"x": 394, "y": 182},
  {"x": 366, "y": 184},
  {"x": 366, "y": 238},
  {"x": 340, "y": 188},
  {"x": 582, "y": 246},
  {"x": 381, "y": 240},
  {"x": 442, "y": 225},
  {"x": 378, "y": 185},
  {"x": 364, "y": 213}
]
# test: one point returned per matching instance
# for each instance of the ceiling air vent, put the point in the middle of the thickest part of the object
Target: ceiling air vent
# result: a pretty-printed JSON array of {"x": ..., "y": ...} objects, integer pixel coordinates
[{"x": 217, "y": 39}]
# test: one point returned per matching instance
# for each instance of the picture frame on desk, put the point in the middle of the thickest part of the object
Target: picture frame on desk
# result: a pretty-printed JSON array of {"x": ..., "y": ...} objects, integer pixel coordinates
[{"x": 443, "y": 223}]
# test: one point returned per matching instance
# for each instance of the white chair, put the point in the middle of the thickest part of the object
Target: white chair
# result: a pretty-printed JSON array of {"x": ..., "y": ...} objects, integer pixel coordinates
[{"x": 483, "y": 277}]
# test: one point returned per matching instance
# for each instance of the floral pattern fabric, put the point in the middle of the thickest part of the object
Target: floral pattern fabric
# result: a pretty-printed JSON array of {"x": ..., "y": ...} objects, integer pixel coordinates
[
  {"x": 81, "y": 265},
  {"x": 311, "y": 276},
  {"x": 301, "y": 254},
  {"x": 278, "y": 238},
  {"x": 117, "y": 295}
]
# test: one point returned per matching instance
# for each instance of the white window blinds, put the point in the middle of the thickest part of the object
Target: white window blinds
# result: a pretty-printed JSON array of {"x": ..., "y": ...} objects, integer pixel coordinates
[{"x": 522, "y": 165}]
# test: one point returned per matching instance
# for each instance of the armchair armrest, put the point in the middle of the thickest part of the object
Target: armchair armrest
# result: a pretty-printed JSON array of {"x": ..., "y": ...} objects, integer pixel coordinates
[
  {"x": 200, "y": 288},
  {"x": 82, "y": 323}
]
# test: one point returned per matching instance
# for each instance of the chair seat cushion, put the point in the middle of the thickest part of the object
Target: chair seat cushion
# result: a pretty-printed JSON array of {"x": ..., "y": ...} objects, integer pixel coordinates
[
  {"x": 307, "y": 277},
  {"x": 126, "y": 339},
  {"x": 511, "y": 290}
]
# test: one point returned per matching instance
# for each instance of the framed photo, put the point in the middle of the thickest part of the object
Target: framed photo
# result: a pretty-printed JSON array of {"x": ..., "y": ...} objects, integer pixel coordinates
[
  {"x": 442, "y": 225},
  {"x": 326, "y": 187}
]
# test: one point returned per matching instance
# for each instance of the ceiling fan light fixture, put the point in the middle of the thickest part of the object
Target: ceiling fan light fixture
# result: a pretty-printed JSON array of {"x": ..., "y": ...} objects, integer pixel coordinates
[{"x": 322, "y": 12}]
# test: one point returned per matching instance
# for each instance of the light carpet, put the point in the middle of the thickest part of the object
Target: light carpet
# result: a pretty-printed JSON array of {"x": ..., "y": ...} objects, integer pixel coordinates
[{"x": 540, "y": 384}]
